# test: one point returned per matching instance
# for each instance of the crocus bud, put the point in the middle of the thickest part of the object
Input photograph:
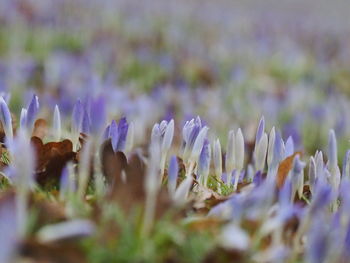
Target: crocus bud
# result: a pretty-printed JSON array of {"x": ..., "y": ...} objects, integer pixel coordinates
[
  {"x": 297, "y": 175},
  {"x": 21, "y": 169},
  {"x": 156, "y": 134},
  {"x": 217, "y": 159},
  {"x": 319, "y": 164},
  {"x": 130, "y": 138},
  {"x": 346, "y": 165},
  {"x": 312, "y": 174},
  {"x": 271, "y": 146},
  {"x": 239, "y": 150},
  {"x": 8, "y": 228},
  {"x": 333, "y": 160},
  {"x": 77, "y": 117},
  {"x": 21, "y": 175},
  {"x": 235, "y": 238},
  {"x": 190, "y": 132},
  {"x": 105, "y": 135},
  {"x": 230, "y": 152},
  {"x": 289, "y": 147},
  {"x": 172, "y": 174},
  {"x": 123, "y": 128},
  {"x": 198, "y": 144},
  {"x": 32, "y": 112},
  {"x": 23, "y": 118},
  {"x": 6, "y": 119},
  {"x": 332, "y": 150},
  {"x": 260, "y": 130},
  {"x": 260, "y": 154},
  {"x": 98, "y": 115},
  {"x": 57, "y": 123},
  {"x": 86, "y": 123},
  {"x": 278, "y": 151},
  {"x": 168, "y": 136},
  {"x": 181, "y": 193},
  {"x": 204, "y": 162},
  {"x": 113, "y": 134}
]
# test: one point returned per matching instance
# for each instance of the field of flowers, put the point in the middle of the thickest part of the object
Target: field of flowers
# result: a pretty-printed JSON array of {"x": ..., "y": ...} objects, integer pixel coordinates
[{"x": 174, "y": 131}]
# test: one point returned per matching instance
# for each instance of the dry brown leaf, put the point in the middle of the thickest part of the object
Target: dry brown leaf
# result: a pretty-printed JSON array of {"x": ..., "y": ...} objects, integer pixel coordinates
[
  {"x": 40, "y": 129},
  {"x": 51, "y": 159},
  {"x": 51, "y": 253},
  {"x": 284, "y": 168}
]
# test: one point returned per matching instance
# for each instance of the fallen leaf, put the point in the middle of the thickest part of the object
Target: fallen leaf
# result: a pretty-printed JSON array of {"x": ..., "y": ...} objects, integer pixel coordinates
[
  {"x": 51, "y": 253},
  {"x": 284, "y": 168},
  {"x": 51, "y": 159},
  {"x": 40, "y": 129}
]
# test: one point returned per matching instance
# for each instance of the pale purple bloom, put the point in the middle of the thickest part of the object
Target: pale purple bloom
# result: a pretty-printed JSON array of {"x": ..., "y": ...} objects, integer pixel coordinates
[
  {"x": 8, "y": 228},
  {"x": 86, "y": 123},
  {"x": 5, "y": 118},
  {"x": 217, "y": 157},
  {"x": 260, "y": 153},
  {"x": 230, "y": 161},
  {"x": 173, "y": 172},
  {"x": 333, "y": 160},
  {"x": 204, "y": 161},
  {"x": 77, "y": 117},
  {"x": 97, "y": 114},
  {"x": 271, "y": 146},
  {"x": 32, "y": 111},
  {"x": 346, "y": 164},
  {"x": 278, "y": 151},
  {"x": 57, "y": 123},
  {"x": 260, "y": 130},
  {"x": 317, "y": 245},
  {"x": 239, "y": 150},
  {"x": 118, "y": 134},
  {"x": 64, "y": 230},
  {"x": 23, "y": 118},
  {"x": 198, "y": 144},
  {"x": 312, "y": 173},
  {"x": 332, "y": 149},
  {"x": 289, "y": 150},
  {"x": 106, "y": 132},
  {"x": 163, "y": 133}
]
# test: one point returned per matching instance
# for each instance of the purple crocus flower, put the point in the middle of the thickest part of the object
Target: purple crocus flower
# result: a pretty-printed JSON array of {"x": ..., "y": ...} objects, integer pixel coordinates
[
  {"x": 346, "y": 165},
  {"x": 123, "y": 127},
  {"x": 333, "y": 160},
  {"x": 32, "y": 111},
  {"x": 260, "y": 130},
  {"x": 86, "y": 123},
  {"x": 23, "y": 118},
  {"x": 316, "y": 247},
  {"x": 289, "y": 148},
  {"x": 118, "y": 133},
  {"x": 97, "y": 114},
  {"x": 204, "y": 162},
  {"x": 5, "y": 118},
  {"x": 8, "y": 228},
  {"x": 77, "y": 117},
  {"x": 322, "y": 197},
  {"x": 173, "y": 172},
  {"x": 190, "y": 132}
]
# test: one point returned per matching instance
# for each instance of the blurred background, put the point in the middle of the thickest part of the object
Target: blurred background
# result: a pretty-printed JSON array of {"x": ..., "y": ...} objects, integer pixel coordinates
[{"x": 228, "y": 61}]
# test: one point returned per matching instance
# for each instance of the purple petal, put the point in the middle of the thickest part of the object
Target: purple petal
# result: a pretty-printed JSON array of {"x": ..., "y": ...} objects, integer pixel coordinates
[
  {"x": 33, "y": 110},
  {"x": 97, "y": 115},
  {"x": 77, "y": 116},
  {"x": 123, "y": 127},
  {"x": 260, "y": 130},
  {"x": 85, "y": 126}
]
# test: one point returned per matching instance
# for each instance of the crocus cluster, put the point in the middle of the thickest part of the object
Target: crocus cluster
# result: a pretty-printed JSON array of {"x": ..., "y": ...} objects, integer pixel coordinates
[{"x": 276, "y": 203}]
